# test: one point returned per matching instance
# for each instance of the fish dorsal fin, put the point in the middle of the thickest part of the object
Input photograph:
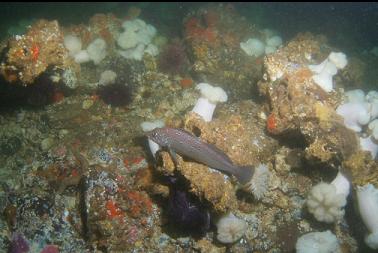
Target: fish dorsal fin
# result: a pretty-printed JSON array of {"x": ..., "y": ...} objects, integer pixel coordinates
[
  {"x": 186, "y": 131},
  {"x": 211, "y": 146}
]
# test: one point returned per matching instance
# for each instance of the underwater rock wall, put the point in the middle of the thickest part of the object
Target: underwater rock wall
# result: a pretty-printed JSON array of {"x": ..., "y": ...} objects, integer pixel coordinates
[
  {"x": 29, "y": 55},
  {"x": 77, "y": 173}
]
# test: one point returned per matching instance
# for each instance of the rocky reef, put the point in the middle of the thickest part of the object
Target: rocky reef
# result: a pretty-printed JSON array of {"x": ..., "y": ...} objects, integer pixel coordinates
[
  {"x": 29, "y": 55},
  {"x": 78, "y": 175}
]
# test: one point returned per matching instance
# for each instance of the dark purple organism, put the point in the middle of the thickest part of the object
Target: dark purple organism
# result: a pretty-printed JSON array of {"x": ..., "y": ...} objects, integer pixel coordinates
[
  {"x": 38, "y": 94},
  {"x": 117, "y": 94},
  {"x": 185, "y": 212},
  {"x": 41, "y": 92},
  {"x": 18, "y": 244},
  {"x": 173, "y": 59}
]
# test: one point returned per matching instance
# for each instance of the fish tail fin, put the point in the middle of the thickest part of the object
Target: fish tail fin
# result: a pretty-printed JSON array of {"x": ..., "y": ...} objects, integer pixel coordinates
[{"x": 244, "y": 174}]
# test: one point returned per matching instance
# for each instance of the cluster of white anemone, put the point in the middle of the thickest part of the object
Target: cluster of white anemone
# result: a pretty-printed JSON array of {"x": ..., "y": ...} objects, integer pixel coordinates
[
  {"x": 256, "y": 47},
  {"x": 96, "y": 50},
  {"x": 324, "y": 72},
  {"x": 136, "y": 40},
  {"x": 359, "y": 110},
  {"x": 326, "y": 201}
]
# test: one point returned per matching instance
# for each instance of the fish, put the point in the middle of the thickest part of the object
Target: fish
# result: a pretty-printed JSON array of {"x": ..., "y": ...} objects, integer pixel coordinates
[{"x": 177, "y": 140}]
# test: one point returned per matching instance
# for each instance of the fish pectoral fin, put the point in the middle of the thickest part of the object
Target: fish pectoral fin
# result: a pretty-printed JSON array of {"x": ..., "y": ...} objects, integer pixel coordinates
[{"x": 173, "y": 155}]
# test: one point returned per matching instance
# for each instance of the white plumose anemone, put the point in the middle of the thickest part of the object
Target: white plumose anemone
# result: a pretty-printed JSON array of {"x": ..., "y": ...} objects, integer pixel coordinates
[
  {"x": 367, "y": 198},
  {"x": 107, "y": 77},
  {"x": 274, "y": 41},
  {"x": 326, "y": 201},
  {"x": 97, "y": 50},
  {"x": 259, "y": 183},
  {"x": 230, "y": 228},
  {"x": 136, "y": 40},
  {"x": 318, "y": 242},
  {"x": 253, "y": 47},
  {"x": 355, "y": 96},
  {"x": 210, "y": 96},
  {"x": 82, "y": 57},
  {"x": 339, "y": 59},
  {"x": 324, "y": 74},
  {"x": 368, "y": 144},
  {"x": 355, "y": 115},
  {"x": 325, "y": 71},
  {"x": 73, "y": 44}
]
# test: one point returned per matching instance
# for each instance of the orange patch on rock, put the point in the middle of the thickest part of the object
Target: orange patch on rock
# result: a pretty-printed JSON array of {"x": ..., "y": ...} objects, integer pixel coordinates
[
  {"x": 186, "y": 83},
  {"x": 139, "y": 204},
  {"x": 271, "y": 123},
  {"x": 138, "y": 160},
  {"x": 35, "y": 52},
  {"x": 112, "y": 210}
]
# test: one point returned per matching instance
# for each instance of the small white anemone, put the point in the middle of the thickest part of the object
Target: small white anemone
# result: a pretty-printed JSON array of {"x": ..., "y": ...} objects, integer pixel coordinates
[
  {"x": 370, "y": 101},
  {"x": 82, "y": 57},
  {"x": 210, "y": 96},
  {"x": 341, "y": 184},
  {"x": 151, "y": 49},
  {"x": 326, "y": 201},
  {"x": 253, "y": 47},
  {"x": 368, "y": 144},
  {"x": 270, "y": 49},
  {"x": 230, "y": 228},
  {"x": 355, "y": 115},
  {"x": 268, "y": 33},
  {"x": 149, "y": 126},
  {"x": 372, "y": 96},
  {"x": 339, "y": 59},
  {"x": 107, "y": 77},
  {"x": 325, "y": 71},
  {"x": 318, "y": 242},
  {"x": 259, "y": 184},
  {"x": 274, "y": 41},
  {"x": 73, "y": 44},
  {"x": 325, "y": 204},
  {"x": 135, "y": 53},
  {"x": 97, "y": 50},
  {"x": 367, "y": 198},
  {"x": 355, "y": 96},
  {"x": 373, "y": 126}
]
